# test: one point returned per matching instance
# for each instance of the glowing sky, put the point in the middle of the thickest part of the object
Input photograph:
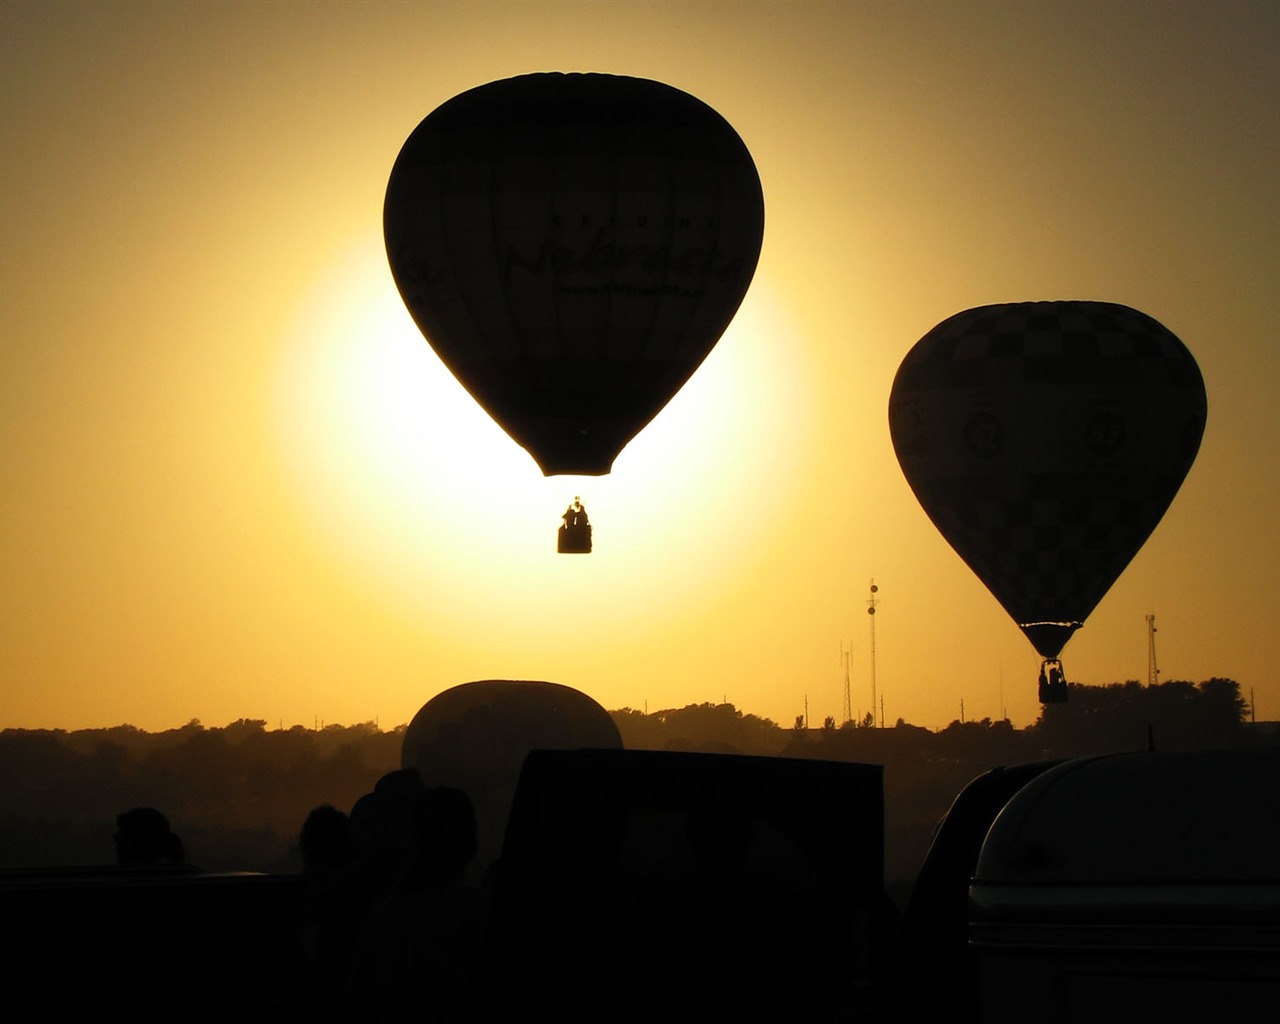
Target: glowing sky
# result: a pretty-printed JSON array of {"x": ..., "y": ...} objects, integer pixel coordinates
[{"x": 235, "y": 482}]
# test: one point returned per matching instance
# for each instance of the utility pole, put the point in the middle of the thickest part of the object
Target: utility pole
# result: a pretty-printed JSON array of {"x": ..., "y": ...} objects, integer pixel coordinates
[
  {"x": 872, "y": 601},
  {"x": 1153, "y": 670}
]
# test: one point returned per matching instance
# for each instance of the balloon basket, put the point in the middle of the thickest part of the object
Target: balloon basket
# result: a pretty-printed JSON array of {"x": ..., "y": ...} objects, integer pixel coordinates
[
  {"x": 1053, "y": 683},
  {"x": 574, "y": 540}
]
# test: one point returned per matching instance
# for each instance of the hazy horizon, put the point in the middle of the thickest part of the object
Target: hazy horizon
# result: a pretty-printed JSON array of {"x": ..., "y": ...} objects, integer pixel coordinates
[{"x": 815, "y": 722}]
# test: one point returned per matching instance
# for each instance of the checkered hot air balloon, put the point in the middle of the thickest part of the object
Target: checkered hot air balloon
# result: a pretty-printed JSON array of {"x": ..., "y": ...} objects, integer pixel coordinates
[
  {"x": 572, "y": 246},
  {"x": 1046, "y": 440}
]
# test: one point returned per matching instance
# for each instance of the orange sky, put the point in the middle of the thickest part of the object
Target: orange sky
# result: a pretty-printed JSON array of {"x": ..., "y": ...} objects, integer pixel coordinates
[{"x": 234, "y": 481}]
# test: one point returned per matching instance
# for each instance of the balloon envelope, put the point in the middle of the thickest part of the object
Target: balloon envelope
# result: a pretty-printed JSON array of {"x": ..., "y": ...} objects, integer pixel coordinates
[
  {"x": 572, "y": 246},
  {"x": 475, "y": 737},
  {"x": 1046, "y": 440}
]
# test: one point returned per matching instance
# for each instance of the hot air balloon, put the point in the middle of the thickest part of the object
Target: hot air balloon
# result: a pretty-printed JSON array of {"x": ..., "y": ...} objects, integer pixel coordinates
[
  {"x": 475, "y": 737},
  {"x": 572, "y": 246},
  {"x": 1046, "y": 440}
]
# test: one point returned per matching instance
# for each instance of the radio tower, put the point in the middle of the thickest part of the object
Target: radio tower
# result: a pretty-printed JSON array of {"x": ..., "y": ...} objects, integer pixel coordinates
[
  {"x": 848, "y": 699},
  {"x": 1153, "y": 670},
  {"x": 872, "y": 601}
]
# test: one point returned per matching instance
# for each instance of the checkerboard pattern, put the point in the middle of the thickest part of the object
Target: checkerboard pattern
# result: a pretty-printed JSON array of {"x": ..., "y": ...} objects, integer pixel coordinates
[{"x": 1046, "y": 440}]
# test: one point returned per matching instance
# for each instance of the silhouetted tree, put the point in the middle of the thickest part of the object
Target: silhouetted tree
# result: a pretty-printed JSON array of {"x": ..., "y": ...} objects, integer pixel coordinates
[
  {"x": 710, "y": 728},
  {"x": 236, "y": 794},
  {"x": 1175, "y": 715}
]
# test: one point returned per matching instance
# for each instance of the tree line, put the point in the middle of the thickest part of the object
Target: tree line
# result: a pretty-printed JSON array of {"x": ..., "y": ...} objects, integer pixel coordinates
[{"x": 238, "y": 794}]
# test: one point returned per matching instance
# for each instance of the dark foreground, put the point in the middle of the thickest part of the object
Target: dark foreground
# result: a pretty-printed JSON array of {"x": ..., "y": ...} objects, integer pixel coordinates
[{"x": 638, "y": 885}]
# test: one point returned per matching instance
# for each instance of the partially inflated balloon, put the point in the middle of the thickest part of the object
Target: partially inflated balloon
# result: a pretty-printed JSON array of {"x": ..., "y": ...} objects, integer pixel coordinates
[
  {"x": 572, "y": 246},
  {"x": 475, "y": 737},
  {"x": 1046, "y": 440}
]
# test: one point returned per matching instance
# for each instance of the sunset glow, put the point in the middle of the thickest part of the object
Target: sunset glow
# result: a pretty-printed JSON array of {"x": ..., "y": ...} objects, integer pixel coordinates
[
  {"x": 407, "y": 479},
  {"x": 237, "y": 482}
]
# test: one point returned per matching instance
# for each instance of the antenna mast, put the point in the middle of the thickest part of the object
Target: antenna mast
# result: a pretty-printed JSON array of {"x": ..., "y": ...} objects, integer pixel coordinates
[
  {"x": 848, "y": 698},
  {"x": 872, "y": 601},
  {"x": 1153, "y": 670}
]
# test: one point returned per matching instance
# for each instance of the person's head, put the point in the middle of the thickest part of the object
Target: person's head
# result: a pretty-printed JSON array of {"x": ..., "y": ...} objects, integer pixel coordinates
[
  {"x": 143, "y": 836},
  {"x": 446, "y": 838},
  {"x": 326, "y": 839}
]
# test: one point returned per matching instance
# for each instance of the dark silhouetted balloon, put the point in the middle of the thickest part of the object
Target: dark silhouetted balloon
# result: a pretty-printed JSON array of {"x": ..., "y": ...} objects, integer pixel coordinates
[
  {"x": 572, "y": 246},
  {"x": 476, "y": 736},
  {"x": 1046, "y": 440}
]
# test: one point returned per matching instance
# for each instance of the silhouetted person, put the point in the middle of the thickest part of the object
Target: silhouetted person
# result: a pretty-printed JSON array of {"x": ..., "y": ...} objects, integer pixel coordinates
[
  {"x": 575, "y": 514},
  {"x": 1053, "y": 688},
  {"x": 350, "y": 863},
  {"x": 143, "y": 837},
  {"x": 326, "y": 841},
  {"x": 418, "y": 953},
  {"x": 575, "y": 534},
  {"x": 327, "y": 917},
  {"x": 382, "y": 831}
]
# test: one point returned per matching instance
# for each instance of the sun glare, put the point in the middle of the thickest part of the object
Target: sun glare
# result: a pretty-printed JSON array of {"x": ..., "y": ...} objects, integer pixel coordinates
[{"x": 411, "y": 484}]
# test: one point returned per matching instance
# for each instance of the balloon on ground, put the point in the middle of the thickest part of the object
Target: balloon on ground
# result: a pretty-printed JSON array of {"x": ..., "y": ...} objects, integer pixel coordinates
[
  {"x": 1046, "y": 440},
  {"x": 475, "y": 737}
]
